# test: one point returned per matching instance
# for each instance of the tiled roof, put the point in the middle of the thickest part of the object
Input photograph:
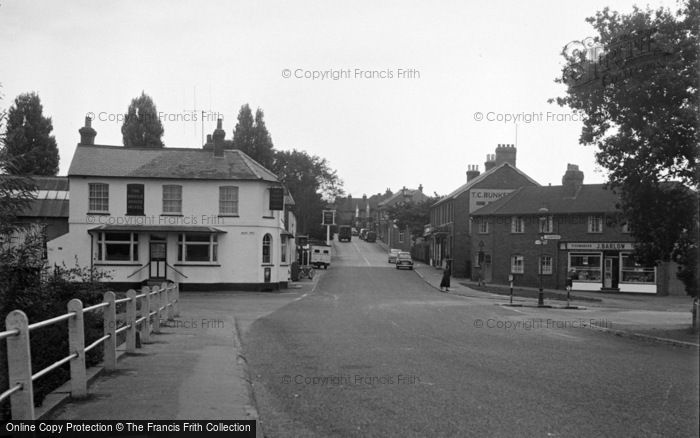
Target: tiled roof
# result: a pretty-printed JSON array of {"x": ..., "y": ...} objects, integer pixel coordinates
[
  {"x": 590, "y": 198},
  {"x": 176, "y": 163},
  {"x": 411, "y": 193},
  {"x": 464, "y": 187}
]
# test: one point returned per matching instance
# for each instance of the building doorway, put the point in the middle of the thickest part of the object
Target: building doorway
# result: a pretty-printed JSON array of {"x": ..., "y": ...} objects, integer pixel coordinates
[
  {"x": 611, "y": 274},
  {"x": 158, "y": 257}
]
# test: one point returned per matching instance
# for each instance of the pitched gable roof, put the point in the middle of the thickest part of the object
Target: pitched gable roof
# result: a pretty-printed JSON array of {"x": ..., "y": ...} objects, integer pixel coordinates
[
  {"x": 401, "y": 194},
  {"x": 591, "y": 198},
  {"x": 178, "y": 163}
]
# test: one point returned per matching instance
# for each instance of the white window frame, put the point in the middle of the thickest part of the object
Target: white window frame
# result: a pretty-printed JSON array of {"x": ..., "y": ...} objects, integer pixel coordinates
[
  {"x": 517, "y": 225},
  {"x": 517, "y": 264},
  {"x": 545, "y": 268},
  {"x": 183, "y": 243},
  {"x": 228, "y": 200},
  {"x": 283, "y": 248},
  {"x": 483, "y": 226},
  {"x": 98, "y": 201},
  {"x": 103, "y": 242},
  {"x": 267, "y": 244},
  {"x": 401, "y": 236},
  {"x": 595, "y": 224},
  {"x": 172, "y": 199},
  {"x": 548, "y": 225}
]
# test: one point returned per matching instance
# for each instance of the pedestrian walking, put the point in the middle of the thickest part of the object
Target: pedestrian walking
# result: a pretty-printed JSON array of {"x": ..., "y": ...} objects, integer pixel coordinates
[{"x": 445, "y": 283}]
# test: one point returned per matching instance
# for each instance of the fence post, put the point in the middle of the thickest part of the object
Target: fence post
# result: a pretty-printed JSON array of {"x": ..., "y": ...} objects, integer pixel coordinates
[
  {"x": 156, "y": 302},
  {"x": 131, "y": 321},
  {"x": 146, "y": 312},
  {"x": 176, "y": 300},
  {"x": 19, "y": 366},
  {"x": 169, "y": 301},
  {"x": 76, "y": 344},
  {"x": 164, "y": 301},
  {"x": 110, "y": 327}
]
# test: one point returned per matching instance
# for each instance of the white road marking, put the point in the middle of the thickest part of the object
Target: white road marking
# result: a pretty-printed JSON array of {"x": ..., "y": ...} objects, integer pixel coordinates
[{"x": 359, "y": 252}]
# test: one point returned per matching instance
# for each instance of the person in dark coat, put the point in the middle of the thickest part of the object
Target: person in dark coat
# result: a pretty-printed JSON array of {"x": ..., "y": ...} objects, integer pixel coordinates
[{"x": 445, "y": 283}]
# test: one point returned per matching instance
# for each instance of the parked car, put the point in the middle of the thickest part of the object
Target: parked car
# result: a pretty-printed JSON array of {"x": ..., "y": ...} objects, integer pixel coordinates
[
  {"x": 393, "y": 252},
  {"x": 363, "y": 233},
  {"x": 354, "y": 231},
  {"x": 371, "y": 236},
  {"x": 404, "y": 260}
]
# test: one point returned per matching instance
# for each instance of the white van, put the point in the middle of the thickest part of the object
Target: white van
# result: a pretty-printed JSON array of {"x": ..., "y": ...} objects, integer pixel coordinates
[{"x": 320, "y": 256}]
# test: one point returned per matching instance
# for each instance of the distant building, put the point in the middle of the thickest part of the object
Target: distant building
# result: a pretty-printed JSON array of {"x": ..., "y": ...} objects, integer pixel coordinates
[
  {"x": 387, "y": 230},
  {"x": 208, "y": 218},
  {"x": 449, "y": 232},
  {"x": 585, "y": 240},
  {"x": 47, "y": 213},
  {"x": 357, "y": 212}
]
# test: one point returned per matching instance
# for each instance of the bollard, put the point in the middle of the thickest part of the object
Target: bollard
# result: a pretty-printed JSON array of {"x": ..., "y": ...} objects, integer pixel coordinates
[
  {"x": 110, "y": 327},
  {"x": 511, "y": 292},
  {"x": 76, "y": 344},
  {"x": 131, "y": 321},
  {"x": 19, "y": 366},
  {"x": 146, "y": 313}
]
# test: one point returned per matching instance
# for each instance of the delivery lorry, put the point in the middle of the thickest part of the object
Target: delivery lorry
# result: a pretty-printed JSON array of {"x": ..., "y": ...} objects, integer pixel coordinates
[
  {"x": 320, "y": 256},
  {"x": 344, "y": 233}
]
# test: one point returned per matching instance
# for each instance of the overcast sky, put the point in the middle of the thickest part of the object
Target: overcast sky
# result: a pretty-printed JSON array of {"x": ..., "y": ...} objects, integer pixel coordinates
[{"x": 431, "y": 65}]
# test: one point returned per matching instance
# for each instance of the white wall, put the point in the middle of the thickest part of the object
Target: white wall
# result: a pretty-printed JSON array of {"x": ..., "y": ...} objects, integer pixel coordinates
[{"x": 239, "y": 248}]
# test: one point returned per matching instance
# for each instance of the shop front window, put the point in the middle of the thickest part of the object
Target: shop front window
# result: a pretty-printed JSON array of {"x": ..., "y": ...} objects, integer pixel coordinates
[
  {"x": 587, "y": 266},
  {"x": 632, "y": 272}
]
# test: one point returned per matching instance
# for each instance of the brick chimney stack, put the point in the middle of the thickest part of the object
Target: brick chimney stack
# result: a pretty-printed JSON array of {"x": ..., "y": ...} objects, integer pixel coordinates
[
  {"x": 87, "y": 133},
  {"x": 505, "y": 153},
  {"x": 490, "y": 162},
  {"x": 572, "y": 181},
  {"x": 218, "y": 136},
  {"x": 472, "y": 171}
]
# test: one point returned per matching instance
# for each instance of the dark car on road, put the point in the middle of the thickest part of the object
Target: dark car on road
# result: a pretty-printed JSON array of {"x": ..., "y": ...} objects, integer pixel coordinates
[
  {"x": 371, "y": 236},
  {"x": 404, "y": 260}
]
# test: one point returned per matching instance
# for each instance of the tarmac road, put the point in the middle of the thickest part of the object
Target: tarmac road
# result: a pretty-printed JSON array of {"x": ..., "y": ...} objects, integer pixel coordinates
[{"x": 374, "y": 351}]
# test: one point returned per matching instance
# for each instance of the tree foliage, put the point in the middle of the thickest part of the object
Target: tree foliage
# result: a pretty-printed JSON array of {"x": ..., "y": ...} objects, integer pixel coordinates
[
  {"x": 412, "y": 216},
  {"x": 27, "y": 141},
  {"x": 636, "y": 83},
  {"x": 142, "y": 127},
  {"x": 312, "y": 184},
  {"x": 252, "y": 137},
  {"x": 16, "y": 191}
]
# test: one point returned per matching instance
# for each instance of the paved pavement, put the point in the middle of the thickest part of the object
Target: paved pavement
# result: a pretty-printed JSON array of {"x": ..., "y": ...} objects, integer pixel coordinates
[{"x": 193, "y": 369}]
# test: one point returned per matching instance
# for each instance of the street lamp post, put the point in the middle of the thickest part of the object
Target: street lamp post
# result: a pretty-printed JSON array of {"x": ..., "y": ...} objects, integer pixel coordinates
[{"x": 543, "y": 211}]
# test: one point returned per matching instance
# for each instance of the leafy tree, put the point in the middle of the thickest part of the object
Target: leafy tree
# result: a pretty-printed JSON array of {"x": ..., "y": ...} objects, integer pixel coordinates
[
  {"x": 142, "y": 127},
  {"x": 252, "y": 137},
  {"x": 412, "y": 216},
  {"x": 312, "y": 183},
  {"x": 636, "y": 84},
  {"x": 16, "y": 191},
  {"x": 28, "y": 143}
]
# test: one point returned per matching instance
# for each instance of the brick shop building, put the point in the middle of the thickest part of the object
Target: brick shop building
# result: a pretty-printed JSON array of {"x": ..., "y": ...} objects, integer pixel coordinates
[
  {"x": 582, "y": 240},
  {"x": 449, "y": 230}
]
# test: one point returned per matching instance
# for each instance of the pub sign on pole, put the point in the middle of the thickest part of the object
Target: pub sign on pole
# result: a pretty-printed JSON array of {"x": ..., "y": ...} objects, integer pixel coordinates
[{"x": 328, "y": 217}]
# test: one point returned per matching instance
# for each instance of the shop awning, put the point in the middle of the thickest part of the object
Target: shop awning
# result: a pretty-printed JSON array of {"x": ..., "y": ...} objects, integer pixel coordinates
[
  {"x": 288, "y": 234},
  {"x": 157, "y": 229}
]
